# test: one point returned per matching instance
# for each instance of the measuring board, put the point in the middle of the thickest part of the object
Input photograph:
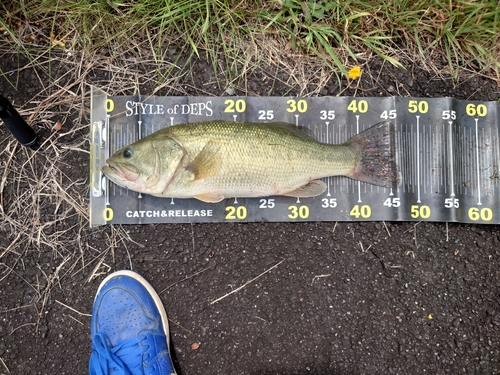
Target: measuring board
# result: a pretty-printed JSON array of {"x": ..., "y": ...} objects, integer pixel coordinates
[{"x": 447, "y": 151}]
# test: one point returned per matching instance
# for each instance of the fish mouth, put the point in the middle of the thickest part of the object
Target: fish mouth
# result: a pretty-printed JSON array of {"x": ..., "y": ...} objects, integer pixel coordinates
[{"x": 124, "y": 172}]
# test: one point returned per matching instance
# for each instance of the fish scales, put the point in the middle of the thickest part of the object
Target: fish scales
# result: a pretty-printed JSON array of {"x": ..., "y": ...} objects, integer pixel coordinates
[
  {"x": 221, "y": 159},
  {"x": 255, "y": 157}
]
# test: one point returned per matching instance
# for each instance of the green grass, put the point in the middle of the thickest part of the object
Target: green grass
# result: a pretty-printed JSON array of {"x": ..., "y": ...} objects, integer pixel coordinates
[{"x": 466, "y": 33}]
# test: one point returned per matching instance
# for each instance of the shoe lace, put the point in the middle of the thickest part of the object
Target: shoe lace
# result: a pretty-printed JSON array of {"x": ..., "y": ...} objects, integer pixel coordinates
[{"x": 123, "y": 359}]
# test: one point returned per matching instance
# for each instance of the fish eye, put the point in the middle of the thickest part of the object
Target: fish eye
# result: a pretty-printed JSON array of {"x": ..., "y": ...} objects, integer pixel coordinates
[{"x": 127, "y": 153}]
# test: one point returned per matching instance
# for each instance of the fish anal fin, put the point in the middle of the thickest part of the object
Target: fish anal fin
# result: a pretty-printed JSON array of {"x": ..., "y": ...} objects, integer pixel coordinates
[
  {"x": 206, "y": 163},
  {"x": 210, "y": 197},
  {"x": 312, "y": 189}
]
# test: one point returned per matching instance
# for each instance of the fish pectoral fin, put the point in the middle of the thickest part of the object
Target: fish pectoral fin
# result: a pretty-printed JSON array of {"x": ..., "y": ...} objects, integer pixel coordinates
[
  {"x": 311, "y": 189},
  {"x": 206, "y": 163},
  {"x": 210, "y": 197}
]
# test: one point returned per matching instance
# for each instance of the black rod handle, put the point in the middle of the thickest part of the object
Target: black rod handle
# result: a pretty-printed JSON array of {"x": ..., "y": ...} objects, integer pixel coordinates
[{"x": 15, "y": 123}]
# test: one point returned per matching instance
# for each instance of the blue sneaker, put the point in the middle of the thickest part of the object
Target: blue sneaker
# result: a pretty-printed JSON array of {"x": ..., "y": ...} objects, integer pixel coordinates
[{"x": 129, "y": 328}]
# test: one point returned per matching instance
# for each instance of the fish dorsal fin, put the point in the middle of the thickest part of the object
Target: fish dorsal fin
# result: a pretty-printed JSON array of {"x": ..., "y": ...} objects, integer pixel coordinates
[
  {"x": 206, "y": 163},
  {"x": 210, "y": 197},
  {"x": 311, "y": 189},
  {"x": 299, "y": 131}
]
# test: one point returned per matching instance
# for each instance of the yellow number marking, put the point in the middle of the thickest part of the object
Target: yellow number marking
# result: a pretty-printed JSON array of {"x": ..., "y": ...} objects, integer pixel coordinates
[
  {"x": 298, "y": 212},
  {"x": 364, "y": 211},
  {"x": 235, "y": 106},
  {"x": 476, "y": 109},
  {"x": 415, "y": 106},
  {"x": 110, "y": 105},
  {"x": 360, "y": 106},
  {"x": 423, "y": 212},
  {"x": 294, "y": 105},
  {"x": 234, "y": 213},
  {"x": 485, "y": 214},
  {"x": 108, "y": 214}
]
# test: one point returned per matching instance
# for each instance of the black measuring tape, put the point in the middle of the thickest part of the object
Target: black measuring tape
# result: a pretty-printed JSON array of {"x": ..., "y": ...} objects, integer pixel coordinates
[{"x": 447, "y": 150}]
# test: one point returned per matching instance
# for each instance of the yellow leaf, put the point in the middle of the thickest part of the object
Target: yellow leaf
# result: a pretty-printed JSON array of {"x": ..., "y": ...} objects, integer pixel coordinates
[
  {"x": 55, "y": 42},
  {"x": 354, "y": 72}
]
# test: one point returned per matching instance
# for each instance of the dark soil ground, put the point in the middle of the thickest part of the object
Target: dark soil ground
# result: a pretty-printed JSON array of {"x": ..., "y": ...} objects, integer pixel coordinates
[{"x": 346, "y": 298}]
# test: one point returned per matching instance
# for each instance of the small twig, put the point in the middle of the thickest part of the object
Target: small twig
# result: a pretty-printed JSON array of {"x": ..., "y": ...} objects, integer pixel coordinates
[
  {"x": 126, "y": 235},
  {"x": 128, "y": 254},
  {"x": 387, "y": 229},
  {"x": 409, "y": 252},
  {"x": 75, "y": 149},
  {"x": 178, "y": 325},
  {"x": 248, "y": 282},
  {"x": 412, "y": 228},
  {"x": 12, "y": 244},
  {"x": 192, "y": 235},
  {"x": 4, "y": 177},
  {"x": 447, "y": 238},
  {"x": 21, "y": 326},
  {"x": 76, "y": 320},
  {"x": 17, "y": 308},
  {"x": 184, "y": 279},
  {"x": 318, "y": 276},
  {"x": 72, "y": 309},
  {"x": 415, "y": 235},
  {"x": 258, "y": 317},
  {"x": 94, "y": 273},
  {"x": 362, "y": 248},
  {"x": 4, "y": 365}
]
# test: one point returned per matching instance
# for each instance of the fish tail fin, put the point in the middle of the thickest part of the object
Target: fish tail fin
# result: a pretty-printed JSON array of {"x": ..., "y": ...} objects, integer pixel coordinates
[{"x": 377, "y": 164}]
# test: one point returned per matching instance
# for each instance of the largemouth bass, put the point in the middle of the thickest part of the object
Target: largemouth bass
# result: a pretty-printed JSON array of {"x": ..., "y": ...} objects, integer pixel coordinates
[{"x": 211, "y": 161}]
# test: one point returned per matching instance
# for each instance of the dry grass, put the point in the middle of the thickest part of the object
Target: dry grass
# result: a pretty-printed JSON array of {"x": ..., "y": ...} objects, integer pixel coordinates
[{"x": 43, "y": 206}]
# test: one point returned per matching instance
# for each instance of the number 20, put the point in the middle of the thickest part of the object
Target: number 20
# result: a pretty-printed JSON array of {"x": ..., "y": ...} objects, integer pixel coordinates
[
  {"x": 239, "y": 212},
  {"x": 239, "y": 106}
]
